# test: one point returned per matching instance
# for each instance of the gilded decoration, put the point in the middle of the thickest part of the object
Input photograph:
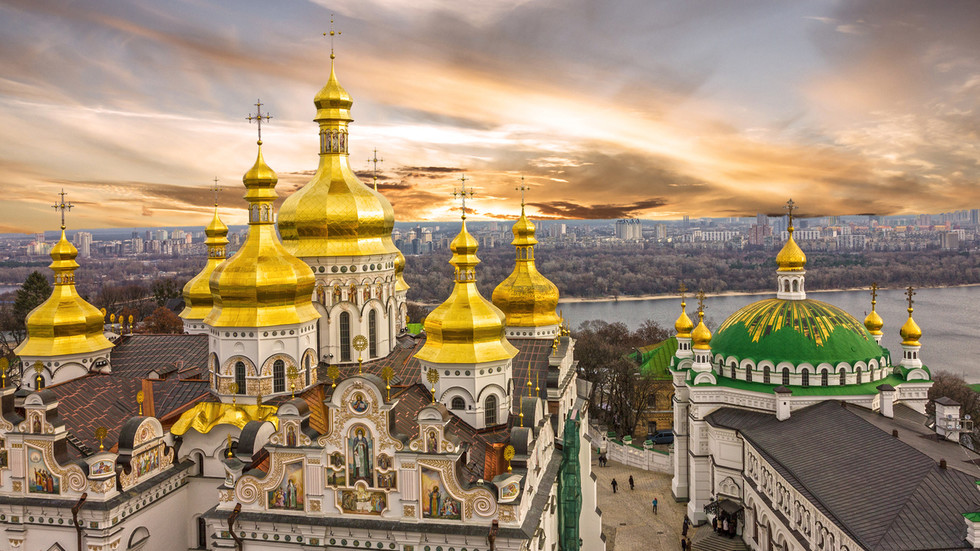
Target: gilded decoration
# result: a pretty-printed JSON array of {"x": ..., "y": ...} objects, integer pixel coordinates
[
  {"x": 286, "y": 359},
  {"x": 315, "y": 505},
  {"x": 71, "y": 475},
  {"x": 228, "y": 369},
  {"x": 102, "y": 486},
  {"x": 147, "y": 461},
  {"x": 361, "y": 501},
  {"x": 249, "y": 488},
  {"x": 408, "y": 511},
  {"x": 206, "y": 415},
  {"x": 477, "y": 501},
  {"x": 341, "y": 416}
]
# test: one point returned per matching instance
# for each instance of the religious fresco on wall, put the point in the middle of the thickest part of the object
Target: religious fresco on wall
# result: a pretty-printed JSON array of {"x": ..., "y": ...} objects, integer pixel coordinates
[
  {"x": 39, "y": 478},
  {"x": 291, "y": 436},
  {"x": 431, "y": 442},
  {"x": 36, "y": 423},
  {"x": 102, "y": 467},
  {"x": 361, "y": 456},
  {"x": 384, "y": 462},
  {"x": 363, "y": 502},
  {"x": 386, "y": 481},
  {"x": 358, "y": 403},
  {"x": 289, "y": 493},
  {"x": 436, "y": 501},
  {"x": 510, "y": 491},
  {"x": 147, "y": 461}
]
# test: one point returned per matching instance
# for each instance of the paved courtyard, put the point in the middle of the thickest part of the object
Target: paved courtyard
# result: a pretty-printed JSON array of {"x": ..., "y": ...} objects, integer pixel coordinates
[{"x": 627, "y": 517}]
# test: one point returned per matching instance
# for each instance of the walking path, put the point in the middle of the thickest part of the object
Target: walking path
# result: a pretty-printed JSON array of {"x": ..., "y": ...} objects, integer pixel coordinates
[{"x": 627, "y": 517}]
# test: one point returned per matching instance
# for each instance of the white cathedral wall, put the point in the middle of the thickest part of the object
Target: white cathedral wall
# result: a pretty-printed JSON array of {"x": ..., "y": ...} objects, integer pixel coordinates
[{"x": 590, "y": 522}]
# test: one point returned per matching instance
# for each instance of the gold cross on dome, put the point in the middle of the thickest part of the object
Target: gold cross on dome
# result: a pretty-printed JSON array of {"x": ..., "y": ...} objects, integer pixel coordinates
[
  {"x": 682, "y": 290},
  {"x": 62, "y": 206},
  {"x": 375, "y": 161},
  {"x": 462, "y": 193},
  {"x": 910, "y": 292},
  {"x": 874, "y": 294},
  {"x": 522, "y": 188},
  {"x": 215, "y": 188},
  {"x": 258, "y": 117},
  {"x": 790, "y": 207},
  {"x": 331, "y": 34},
  {"x": 701, "y": 301}
]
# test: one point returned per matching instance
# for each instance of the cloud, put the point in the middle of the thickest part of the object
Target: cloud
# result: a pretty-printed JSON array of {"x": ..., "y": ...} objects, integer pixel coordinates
[{"x": 565, "y": 209}]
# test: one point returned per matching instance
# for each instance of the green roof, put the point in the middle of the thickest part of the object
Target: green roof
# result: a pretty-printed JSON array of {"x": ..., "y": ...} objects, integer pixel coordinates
[
  {"x": 972, "y": 517},
  {"x": 812, "y": 390},
  {"x": 414, "y": 328},
  {"x": 797, "y": 331},
  {"x": 655, "y": 360}
]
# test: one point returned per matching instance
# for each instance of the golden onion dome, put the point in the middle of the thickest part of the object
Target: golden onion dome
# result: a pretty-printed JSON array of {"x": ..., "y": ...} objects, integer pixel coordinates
[
  {"x": 198, "y": 299},
  {"x": 527, "y": 298},
  {"x": 701, "y": 336},
  {"x": 400, "y": 283},
  {"x": 466, "y": 328},
  {"x": 262, "y": 285},
  {"x": 65, "y": 323},
  {"x": 335, "y": 214},
  {"x": 683, "y": 326},
  {"x": 873, "y": 323},
  {"x": 791, "y": 257},
  {"x": 910, "y": 332}
]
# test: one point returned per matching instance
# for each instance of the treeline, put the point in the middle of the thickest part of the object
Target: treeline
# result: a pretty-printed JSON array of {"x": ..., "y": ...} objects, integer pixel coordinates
[{"x": 595, "y": 273}]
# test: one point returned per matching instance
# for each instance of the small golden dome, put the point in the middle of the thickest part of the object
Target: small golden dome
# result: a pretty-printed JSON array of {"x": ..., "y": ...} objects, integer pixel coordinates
[
  {"x": 910, "y": 332},
  {"x": 198, "y": 299},
  {"x": 335, "y": 214},
  {"x": 701, "y": 336},
  {"x": 263, "y": 284},
  {"x": 791, "y": 257},
  {"x": 466, "y": 328},
  {"x": 400, "y": 283},
  {"x": 64, "y": 323},
  {"x": 527, "y": 298},
  {"x": 683, "y": 325},
  {"x": 873, "y": 322}
]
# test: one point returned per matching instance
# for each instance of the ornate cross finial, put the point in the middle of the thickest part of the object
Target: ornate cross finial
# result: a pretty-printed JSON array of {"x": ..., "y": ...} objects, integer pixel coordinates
[
  {"x": 375, "y": 161},
  {"x": 682, "y": 289},
  {"x": 62, "y": 206},
  {"x": 215, "y": 188},
  {"x": 4, "y": 367},
  {"x": 522, "y": 188},
  {"x": 292, "y": 373},
  {"x": 139, "y": 400},
  {"x": 462, "y": 193},
  {"x": 910, "y": 292},
  {"x": 100, "y": 434},
  {"x": 700, "y": 302},
  {"x": 330, "y": 34},
  {"x": 258, "y": 117},
  {"x": 387, "y": 373},
  {"x": 334, "y": 373},
  {"x": 874, "y": 294},
  {"x": 790, "y": 207},
  {"x": 433, "y": 377}
]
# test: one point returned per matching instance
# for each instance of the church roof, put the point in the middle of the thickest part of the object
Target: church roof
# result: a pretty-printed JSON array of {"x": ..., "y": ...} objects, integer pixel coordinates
[
  {"x": 882, "y": 491},
  {"x": 796, "y": 331},
  {"x": 138, "y": 355},
  {"x": 655, "y": 359}
]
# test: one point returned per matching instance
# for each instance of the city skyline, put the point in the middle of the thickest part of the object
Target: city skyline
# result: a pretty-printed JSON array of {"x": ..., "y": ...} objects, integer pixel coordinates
[{"x": 635, "y": 109}]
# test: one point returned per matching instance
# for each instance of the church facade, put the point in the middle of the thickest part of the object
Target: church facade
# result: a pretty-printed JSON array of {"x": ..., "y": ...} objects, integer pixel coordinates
[{"x": 296, "y": 412}]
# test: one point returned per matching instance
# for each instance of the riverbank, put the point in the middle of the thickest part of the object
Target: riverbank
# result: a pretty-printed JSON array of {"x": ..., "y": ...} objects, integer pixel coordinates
[{"x": 577, "y": 300}]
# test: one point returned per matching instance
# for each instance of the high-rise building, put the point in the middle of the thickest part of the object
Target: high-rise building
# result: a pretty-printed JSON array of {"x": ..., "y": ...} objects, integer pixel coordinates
[
  {"x": 83, "y": 240},
  {"x": 629, "y": 229}
]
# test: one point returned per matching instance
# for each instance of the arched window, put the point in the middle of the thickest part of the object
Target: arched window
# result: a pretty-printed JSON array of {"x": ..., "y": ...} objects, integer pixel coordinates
[
  {"x": 858, "y": 371},
  {"x": 306, "y": 368},
  {"x": 806, "y": 378},
  {"x": 765, "y": 374},
  {"x": 240, "y": 376},
  {"x": 796, "y": 285},
  {"x": 278, "y": 376},
  {"x": 733, "y": 370},
  {"x": 824, "y": 377},
  {"x": 345, "y": 336},
  {"x": 785, "y": 376},
  {"x": 748, "y": 373},
  {"x": 39, "y": 382},
  {"x": 458, "y": 403},
  {"x": 202, "y": 533},
  {"x": 843, "y": 377},
  {"x": 373, "y": 333},
  {"x": 490, "y": 411}
]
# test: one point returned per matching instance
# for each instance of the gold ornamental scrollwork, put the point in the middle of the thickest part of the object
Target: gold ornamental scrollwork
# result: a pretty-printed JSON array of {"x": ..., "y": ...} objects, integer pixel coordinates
[
  {"x": 343, "y": 414},
  {"x": 478, "y": 500}
]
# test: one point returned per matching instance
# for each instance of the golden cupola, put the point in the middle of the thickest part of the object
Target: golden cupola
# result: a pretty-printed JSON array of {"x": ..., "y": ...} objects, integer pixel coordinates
[
  {"x": 400, "y": 284},
  {"x": 873, "y": 322},
  {"x": 527, "y": 298},
  {"x": 910, "y": 332},
  {"x": 683, "y": 326},
  {"x": 198, "y": 299},
  {"x": 791, "y": 257},
  {"x": 466, "y": 328},
  {"x": 64, "y": 324},
  {"x": 701, "y": 336},
  {"x": 262, "y": 285},
  {"x": 335, "y": 214}
]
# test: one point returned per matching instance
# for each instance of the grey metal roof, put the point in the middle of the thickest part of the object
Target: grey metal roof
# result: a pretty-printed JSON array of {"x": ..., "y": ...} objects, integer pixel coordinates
[{"x": 885, "y": 493}]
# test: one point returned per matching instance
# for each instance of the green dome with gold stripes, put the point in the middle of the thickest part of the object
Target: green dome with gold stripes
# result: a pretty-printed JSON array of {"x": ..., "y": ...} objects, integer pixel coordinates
[{"x": 797, "y": 331}]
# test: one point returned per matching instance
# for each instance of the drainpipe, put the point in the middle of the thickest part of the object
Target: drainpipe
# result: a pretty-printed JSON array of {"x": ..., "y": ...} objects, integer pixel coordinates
[
  {"x": 492, "y": 536},
  {"x": 74, "y": 517},
  {"x": 231, "y": 526}
]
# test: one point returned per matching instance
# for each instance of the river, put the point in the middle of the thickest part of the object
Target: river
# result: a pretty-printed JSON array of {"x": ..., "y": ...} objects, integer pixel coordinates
[{"x": 947, "y": 317}]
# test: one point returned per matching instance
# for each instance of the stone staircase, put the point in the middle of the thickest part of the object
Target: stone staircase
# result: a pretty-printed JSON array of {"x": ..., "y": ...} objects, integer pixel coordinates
[{"x": 706, "y": 539}]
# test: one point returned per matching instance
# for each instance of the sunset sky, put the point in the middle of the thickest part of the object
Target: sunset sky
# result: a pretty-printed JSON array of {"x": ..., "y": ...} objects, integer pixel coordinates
[{"x": 622, "y": 108}]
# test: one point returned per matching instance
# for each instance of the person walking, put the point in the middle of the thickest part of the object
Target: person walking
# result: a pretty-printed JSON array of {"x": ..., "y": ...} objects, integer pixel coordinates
[
  {"x": 631, "y": 483},
  {"x": 683, "y": 544},
  {"x": 655, "y": 507},
  {"x": 687, "y": 523},
  {"x": 724, "y": 526},
  {"x": 614, "y": 485}
]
